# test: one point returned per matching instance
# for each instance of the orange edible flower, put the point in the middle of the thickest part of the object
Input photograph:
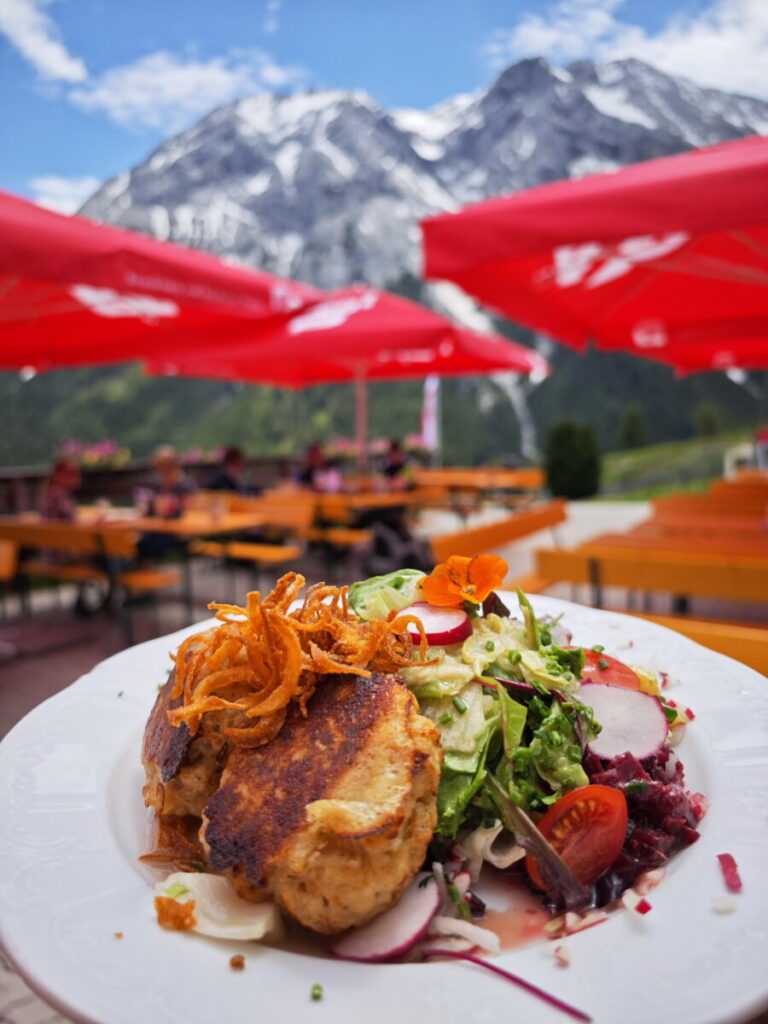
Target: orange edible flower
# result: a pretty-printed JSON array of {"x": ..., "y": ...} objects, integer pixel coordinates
[{"x": 463, "y": 579}]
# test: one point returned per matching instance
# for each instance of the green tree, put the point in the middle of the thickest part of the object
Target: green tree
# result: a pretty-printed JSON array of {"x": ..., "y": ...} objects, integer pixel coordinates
[
  {"x": 632, "y": 432},
  {"x": 707, "y": 419},
  {"x": 572, "y": 460}
]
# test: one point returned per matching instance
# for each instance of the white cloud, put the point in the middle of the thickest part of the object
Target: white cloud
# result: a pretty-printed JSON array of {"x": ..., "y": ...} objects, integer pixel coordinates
[
  {"x": 724, "y": 45},
  {"x": 569, "y": 30},
  {"x": 162, "y": 91},
  {"x": 65, "y": 195},
  {"x": 165, "y": 91},
  {"x": 29, "y": 29},
  {"x": 272, "y": 17}
]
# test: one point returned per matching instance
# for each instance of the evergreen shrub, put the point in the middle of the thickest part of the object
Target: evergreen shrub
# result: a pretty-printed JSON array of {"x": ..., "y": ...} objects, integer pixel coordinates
[{"x": 572, "y": 460}]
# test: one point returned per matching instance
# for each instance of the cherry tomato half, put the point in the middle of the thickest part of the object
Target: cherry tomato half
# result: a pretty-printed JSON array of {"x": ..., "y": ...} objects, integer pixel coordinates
[
  {"x": 587, "y": 828},
  {"x": 602, "y": 668}
]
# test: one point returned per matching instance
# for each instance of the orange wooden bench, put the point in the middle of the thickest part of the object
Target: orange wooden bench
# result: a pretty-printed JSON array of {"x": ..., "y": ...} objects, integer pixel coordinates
[
  {"x": 94, "y": 553},
  {"x": 744, "y": 484},
  {"x": 286, "y": 519},
  {"x": 477, "y": 539},
  {"x": 699, "y": 525},
  {"x": 753, "y": 506},
  {"x": 728, "y": 577},
  {"x": 751, "y": 546}
]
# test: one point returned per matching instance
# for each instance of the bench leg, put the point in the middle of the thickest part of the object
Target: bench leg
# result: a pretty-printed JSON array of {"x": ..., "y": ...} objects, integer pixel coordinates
[
  {"x": 258, "y": 582},
  {"x": 186, "y": 569},
  {"x": 595, "y": 583},
  {"x": 23, "y": 587},
  {"x": 156, "y": 614},
  {"x": 126, "y": 614},
  {"x": 330, "y": 557}
]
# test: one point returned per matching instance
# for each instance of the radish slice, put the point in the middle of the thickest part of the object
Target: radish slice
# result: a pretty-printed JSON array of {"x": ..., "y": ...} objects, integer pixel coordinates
[
  {"x": 441, "y": 625},
  {"x": 632, "y": 721},
  {"x": 396, "y": 930}
]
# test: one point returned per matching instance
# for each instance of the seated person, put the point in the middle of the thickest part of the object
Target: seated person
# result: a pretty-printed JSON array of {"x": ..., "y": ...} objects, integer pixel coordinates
[
  {"x": 229, "y": 475},
  {"x": 58, "y": 504},
  {"x": 170, "y": 492},
  {"x": 312, "y": 469},
  {"x": 329, "y": 479},
  {"x": 395, "y": 468},
  {"x": 58, "y": 498},
  {"x": 171, "y": 487}
]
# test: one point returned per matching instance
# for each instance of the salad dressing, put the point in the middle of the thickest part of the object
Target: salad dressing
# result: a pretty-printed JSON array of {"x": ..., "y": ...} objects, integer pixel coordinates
[{"x": 517, "y": 917}]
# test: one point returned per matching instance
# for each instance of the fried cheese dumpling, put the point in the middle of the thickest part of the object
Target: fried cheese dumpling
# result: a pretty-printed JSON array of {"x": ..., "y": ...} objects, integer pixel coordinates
[
  {"x": 333, "y": 816},
  {"x": 182, "y": 770}
]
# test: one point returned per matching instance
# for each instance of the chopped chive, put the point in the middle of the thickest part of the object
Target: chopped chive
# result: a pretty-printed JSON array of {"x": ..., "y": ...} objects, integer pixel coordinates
[
  {"x": 446, "y": 718},
  {"x": 602, "y": 663},
  {"x": 176, "y": 890},
  {"x": 459, "y": 902},
  {"x": 316, "y": 993},
  {"x": 598, "y": 648},
  {"x": 514, "y": 657},
  {"x": 490, "y": 645},
  {"x": 545, "y": 637},
  {"x": 638, "y": 786},
  {"x": 460, "y": 706}
]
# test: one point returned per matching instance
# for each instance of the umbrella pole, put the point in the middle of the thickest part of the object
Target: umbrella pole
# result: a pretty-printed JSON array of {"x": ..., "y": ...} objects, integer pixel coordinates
[
  {"x": 438, "y": 460},
  {"x": 361, "y": 422}
]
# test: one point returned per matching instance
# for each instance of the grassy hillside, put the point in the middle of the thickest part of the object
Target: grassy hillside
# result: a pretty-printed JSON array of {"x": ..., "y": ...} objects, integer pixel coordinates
[{"x": 662, "y": 468}]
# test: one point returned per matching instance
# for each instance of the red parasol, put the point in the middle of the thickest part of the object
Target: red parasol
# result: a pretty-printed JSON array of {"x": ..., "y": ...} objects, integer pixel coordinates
[
  {"x": 73, "y": 292},
  {"x": 357, "y": 334},
  {"x": 656, "y": 259}
]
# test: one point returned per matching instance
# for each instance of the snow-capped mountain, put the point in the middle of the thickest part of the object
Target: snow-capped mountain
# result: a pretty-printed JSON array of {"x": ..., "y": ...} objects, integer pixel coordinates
[{"x": 327, "y": 186}]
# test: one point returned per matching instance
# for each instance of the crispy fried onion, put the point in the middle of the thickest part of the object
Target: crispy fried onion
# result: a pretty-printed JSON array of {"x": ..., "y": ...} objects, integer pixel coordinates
[{"x": 264, "y": 656}]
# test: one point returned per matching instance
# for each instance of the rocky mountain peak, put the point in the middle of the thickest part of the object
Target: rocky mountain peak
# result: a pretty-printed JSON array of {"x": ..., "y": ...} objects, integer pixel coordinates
[{"x": 327, "y": 186}]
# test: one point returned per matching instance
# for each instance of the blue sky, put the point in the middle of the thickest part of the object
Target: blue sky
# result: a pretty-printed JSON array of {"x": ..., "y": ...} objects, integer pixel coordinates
[{"x": 90, "y": 87}]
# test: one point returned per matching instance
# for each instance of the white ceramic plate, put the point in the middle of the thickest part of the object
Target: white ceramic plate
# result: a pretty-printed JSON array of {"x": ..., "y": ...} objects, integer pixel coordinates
[{"x": 72, "y": 825}]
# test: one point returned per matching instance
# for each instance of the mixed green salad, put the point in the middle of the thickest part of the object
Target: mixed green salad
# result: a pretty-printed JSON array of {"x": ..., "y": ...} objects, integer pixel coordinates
[
  {"x": 534, "y": 749},
  {"x": 568, "y": 747}
]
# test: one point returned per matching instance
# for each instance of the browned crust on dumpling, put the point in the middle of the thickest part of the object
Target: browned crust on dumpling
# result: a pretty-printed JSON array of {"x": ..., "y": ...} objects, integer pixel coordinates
[{"x": 331, "y": 818}]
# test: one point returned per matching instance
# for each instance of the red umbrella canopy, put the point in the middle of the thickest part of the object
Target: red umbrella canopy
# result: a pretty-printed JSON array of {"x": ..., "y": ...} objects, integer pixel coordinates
[
  {"x": 742, "y": 354},
  {"x": 356, "y": 334},
  {"x": 73, "y": 292},
  {"x": 653, "y": 259}
]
